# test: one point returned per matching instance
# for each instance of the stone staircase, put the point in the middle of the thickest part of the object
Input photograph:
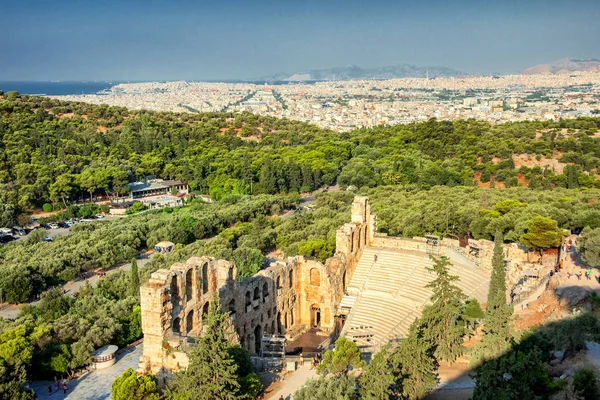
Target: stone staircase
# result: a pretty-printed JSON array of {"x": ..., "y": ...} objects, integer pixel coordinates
[{"x": 386, "y": 296}]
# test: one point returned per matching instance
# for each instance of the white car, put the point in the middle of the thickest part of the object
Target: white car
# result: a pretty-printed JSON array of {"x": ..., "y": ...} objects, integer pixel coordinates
[
  {"x": 99, "y": 216},
  {"x": 53, "y": 225}
]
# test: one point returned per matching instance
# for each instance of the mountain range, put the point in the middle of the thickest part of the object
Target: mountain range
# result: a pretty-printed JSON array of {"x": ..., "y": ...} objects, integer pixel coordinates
[
  {"x": 564, "y": 65},
  {"x": 354, "y": 72}
]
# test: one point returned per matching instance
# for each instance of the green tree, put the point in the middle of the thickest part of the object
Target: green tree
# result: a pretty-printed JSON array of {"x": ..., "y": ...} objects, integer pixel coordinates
[
  {"x": 334, "y": 387},
  {"x": 542, "y": 233},
  {"x": 413, "y": 365},
  {"x": 585, "y": 385},
  {"x": 129, "y": 386},
  {"x": 589, "y": 246},
  {"x": 134, "y": 279},
  {"x": 211, "y": 374},
  {"x": 497, "y": 333},
  {"x": 339, "y": 360},
  {"x": 61, "y": 188},
  {"x": 441, "y": 324},
  {"x": 378, "y": 378}
]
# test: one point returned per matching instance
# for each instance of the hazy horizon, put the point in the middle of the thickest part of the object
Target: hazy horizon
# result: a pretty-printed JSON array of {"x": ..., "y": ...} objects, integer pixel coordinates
[{"x": 236, "y": 40}]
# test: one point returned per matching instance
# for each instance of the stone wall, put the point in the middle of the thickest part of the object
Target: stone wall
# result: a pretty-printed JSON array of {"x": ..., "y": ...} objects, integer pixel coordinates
[{"x": 286, "y": 298}]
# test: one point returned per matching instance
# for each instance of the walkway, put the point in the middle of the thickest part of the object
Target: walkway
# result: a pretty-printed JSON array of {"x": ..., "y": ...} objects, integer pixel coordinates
[
  {"x": 292, "y": 383},
  {"x": 95, "y": 385},
  {"x": 12, "y": 311}
]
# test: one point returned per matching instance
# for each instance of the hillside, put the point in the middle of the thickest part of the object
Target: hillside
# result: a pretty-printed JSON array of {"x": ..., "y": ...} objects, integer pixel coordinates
[
  {"x": 58, "y": 152},
  {"x": 564, "y": 65}
]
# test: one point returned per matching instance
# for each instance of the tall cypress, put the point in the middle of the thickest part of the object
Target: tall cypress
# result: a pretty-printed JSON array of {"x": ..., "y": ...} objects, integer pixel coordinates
[{"x": 497, "y": 332}]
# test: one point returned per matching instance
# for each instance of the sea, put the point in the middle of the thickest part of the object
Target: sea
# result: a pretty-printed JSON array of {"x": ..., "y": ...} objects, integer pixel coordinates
[
  {"x": 56, "y": 88},
  {"x": 62, "y": 88}
]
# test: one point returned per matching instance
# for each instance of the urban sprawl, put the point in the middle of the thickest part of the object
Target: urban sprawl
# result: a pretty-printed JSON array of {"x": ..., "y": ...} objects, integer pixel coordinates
[{"x": 346, "y": 105}]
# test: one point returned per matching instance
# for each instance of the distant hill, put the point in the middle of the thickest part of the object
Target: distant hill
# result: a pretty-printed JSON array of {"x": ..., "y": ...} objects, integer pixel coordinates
[
  {"x": 354, "y": 72},
  {"x": 565, "y": 65}
]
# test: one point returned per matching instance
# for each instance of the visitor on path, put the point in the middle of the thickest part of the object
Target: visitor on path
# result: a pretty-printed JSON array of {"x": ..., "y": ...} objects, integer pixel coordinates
[
  {"x": 281, "y": 397},
  {"x": 375, "y": 258},
  {"x": 65, "y": 387},
  {"x": 312, "y": 362},
  {"x": 578, "y": 275},
  {"x": 589, "y": 274},
  {"x": 301, "y": 360}
]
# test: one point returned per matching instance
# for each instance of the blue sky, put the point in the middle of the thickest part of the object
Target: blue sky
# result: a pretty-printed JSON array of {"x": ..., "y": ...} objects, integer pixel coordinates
[{"x": 195, "y": 40}]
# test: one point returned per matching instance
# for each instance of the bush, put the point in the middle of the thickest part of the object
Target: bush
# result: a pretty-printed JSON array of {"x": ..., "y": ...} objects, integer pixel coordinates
[
  {"x": 47, "y": 207},
  {"x": 585, "y": 385}
]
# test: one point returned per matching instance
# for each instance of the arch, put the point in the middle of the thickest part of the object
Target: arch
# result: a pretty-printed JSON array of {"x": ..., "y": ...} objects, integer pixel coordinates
[
  {"x": 279, "y": 282},
  {"x": 365, "y": 236},
  {"x": 189, "y": 284},
  {"x": 291, "y": 277},
  {"x": 292, "y": 317},
  {"x": 205, "y": 278},
  {"x": 265, "y": 292},
  {"x": 256, "y": 294},
  {"x": 315, "y": 316},
  {"x": 205, "y": 309},
  {"x": 189, "y": 322},
  {"x": 352, "y": 242},
  {"x": 344, "y": 281},
  {"x": 258, "y": 333},
  {"x": 279, "y": 324},
  {"x": 273, "y": 327},
  {"x": 174, "y": 291},
  {"x": 176, "y": 326},
  {"x": 285, "y": 320},
  {"x": 315, "y": 277},
  {"x": 248, "y": 301},
  {"x": 359, "y": 238}
]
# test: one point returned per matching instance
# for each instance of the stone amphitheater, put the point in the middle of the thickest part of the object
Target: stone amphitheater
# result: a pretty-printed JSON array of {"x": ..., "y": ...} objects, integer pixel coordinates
[{"x": 370, "y": 291}]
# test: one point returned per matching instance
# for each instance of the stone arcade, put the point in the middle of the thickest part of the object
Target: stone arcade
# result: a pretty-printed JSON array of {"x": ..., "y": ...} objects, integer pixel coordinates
[{"x": 287, "y": 298}]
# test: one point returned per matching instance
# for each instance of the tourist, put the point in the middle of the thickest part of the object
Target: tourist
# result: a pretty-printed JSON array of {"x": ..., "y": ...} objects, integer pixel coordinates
[
  {"x": 375, "y": 258},
  {"x": 281, "y": 397},
  {"x": 589, "y": 274},
  {"x": 301, "y": 360},
  {"x": 312, "y": 362},
  {"x": 65, "y": 387}
]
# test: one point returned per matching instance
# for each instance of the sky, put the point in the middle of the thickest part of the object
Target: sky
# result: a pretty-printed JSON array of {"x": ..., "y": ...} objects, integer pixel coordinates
[{"x": 247, "y": 39}]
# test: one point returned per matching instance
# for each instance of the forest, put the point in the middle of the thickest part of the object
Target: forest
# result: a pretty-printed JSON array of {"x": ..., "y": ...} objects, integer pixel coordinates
[
  {"x": 58, "y": 152},
  {"x": 455, "y": 179}
]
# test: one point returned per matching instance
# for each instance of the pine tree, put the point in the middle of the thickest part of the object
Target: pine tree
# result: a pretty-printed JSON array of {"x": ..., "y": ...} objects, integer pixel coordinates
[
  {"x": 497, "y": 330},
  {"x": 413, "y": 365},
  {"x": 441, "y": 323},
  {"x": 134, "y": 279},
  {"x": 377, "y": 380},
  {"x": 211, "y": 374}
]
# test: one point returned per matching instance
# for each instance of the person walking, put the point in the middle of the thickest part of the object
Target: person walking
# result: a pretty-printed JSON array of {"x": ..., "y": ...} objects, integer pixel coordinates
[
  {"x": 65, "y": 387},
  {"x": 301, "y": 360}
]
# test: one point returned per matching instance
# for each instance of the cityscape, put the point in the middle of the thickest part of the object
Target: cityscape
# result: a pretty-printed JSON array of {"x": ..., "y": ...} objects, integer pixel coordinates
[{"x": 348, "y": 105}]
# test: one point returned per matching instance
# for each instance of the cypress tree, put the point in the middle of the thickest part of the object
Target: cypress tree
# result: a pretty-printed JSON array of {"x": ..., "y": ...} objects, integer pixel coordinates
[
  {"x": 497, "y": 336},
  {"x": 440, "y": 320},
  {"x": 134, "y": 279},
  {"x": 212, "y": 372}
]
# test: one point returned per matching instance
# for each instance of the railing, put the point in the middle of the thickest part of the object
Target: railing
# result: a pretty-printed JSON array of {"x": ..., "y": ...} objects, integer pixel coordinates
[
  {"x": 466, "y": 255},
  {"x": 526, "y": 293}
]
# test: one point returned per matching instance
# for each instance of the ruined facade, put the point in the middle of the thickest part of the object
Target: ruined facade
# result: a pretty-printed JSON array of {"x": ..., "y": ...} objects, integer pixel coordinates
[{"x": 287, "y": 298}]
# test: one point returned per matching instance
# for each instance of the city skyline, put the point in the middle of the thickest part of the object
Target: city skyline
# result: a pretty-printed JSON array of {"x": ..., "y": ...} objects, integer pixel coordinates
[{"x": 231, "y": 40}]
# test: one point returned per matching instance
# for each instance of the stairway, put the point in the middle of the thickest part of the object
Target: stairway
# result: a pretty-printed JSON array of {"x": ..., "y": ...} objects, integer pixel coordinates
[{"x": 386, "y": 296}]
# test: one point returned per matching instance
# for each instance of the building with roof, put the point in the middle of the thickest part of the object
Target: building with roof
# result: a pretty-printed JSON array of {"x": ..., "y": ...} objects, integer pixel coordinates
[{"x": 155, "y": 187}]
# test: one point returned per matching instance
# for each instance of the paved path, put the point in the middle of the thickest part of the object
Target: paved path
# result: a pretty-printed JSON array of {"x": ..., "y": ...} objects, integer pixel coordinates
[
  {"x": 292, "y": 383},
  {"x": 12, "y": 311},
  {"x": 94, "y": 385}
]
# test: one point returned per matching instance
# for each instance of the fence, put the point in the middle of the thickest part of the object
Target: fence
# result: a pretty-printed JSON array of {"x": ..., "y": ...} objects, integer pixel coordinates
[{"x": 536, "y": 289}]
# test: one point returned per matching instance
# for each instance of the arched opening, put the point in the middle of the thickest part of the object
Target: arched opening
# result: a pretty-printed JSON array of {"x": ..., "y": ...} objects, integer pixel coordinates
[
  {"x": 189, "y": 322},
  {"x": 265, "y": 292},
  {"x": 285, "y": 320},
  {"x": 205, "y": 278},
  {"x": 256, "y": 294},
  {"x": 359, "y": 238},
  {"x": 273, "y": 328},
  {"x": 291, "y": 317},
  {"x": 344, "y": 282},
  {"x": 188, "y": 284},
  {"x": 315, "y": 277},
  {"x": 291, "y": 277},
  {"x": 279, "y": 324},
  {"x": 315, "y": 316},
  {"x": 279, "y": 282},
  {"x": 205, "y": 310},
  {"x": 258, "y": 333},
  {"x": 174, "y": 291},
  {"x": 176, "y": 326},
  {"x": 248, "y": 301},
  {"x": 352, "y": 242},
  {"x": 364, "y": 236}
]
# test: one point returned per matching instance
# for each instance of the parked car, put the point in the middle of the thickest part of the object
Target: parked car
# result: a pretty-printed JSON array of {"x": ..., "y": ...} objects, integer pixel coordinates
[
  {"x": 7, "y": 238},
  {"x": 48, "y": 239},
  {"x": 63, "y": 224},
  {"x": 53, "y": 225},
  {"x": 17, "y": 230},
  {"x": 99, "y": 216},
  {"x": 45, "y": 226}
]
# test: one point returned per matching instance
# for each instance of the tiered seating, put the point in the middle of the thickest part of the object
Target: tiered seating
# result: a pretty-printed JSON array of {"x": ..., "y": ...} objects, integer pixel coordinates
[{"x": 388, "y": 295}]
